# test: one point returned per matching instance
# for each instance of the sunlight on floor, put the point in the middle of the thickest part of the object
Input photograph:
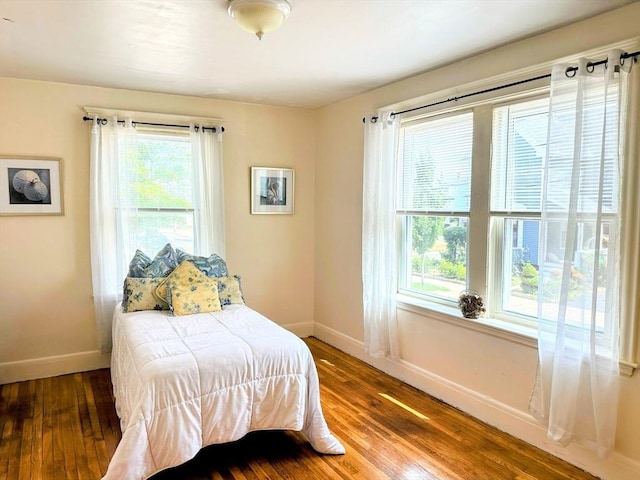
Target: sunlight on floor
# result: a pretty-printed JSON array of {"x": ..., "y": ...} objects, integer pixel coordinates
[
  {"x": 415, "y": 473},
  {"x": 327, "y": 362},
  {"x": 406, "y": 407}
]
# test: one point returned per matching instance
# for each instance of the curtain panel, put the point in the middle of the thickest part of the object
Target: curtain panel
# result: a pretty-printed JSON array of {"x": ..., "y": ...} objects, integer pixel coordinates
[
  {"x": 108, "y": 233},
  {"x": 379, "y": 256},
  {"x": 206, "y": 148},
  {"x": 576, "y": 391}
]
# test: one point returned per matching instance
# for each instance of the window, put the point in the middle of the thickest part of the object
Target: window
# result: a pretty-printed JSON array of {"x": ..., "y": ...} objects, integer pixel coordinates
[
  {"x": 518, "y": 147},
  {"x": 469, "y": 211},
  {"x": 434, "y": 204},
  {"x": 156, "y": 181}
]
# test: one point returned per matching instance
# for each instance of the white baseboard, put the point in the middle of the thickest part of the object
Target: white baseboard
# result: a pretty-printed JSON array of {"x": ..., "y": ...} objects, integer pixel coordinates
[
  {"x": 302, "y": 330},
  {"x": 19, "y": 371},
  {"x": 508, "y": 419}
]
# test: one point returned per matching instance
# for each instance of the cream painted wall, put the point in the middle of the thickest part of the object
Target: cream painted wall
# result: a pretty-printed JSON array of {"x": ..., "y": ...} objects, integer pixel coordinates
[
  {"x": 45, "y": 276},
  {"x": 487, "y": 376}
]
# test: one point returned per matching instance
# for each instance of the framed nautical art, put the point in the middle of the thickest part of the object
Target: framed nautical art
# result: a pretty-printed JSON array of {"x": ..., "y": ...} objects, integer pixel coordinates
[{"x": 30, "y": 186}]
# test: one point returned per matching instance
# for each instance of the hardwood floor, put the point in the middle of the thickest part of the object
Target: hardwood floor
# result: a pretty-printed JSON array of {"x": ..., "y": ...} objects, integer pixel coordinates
[{"x": 66, "y": 428}]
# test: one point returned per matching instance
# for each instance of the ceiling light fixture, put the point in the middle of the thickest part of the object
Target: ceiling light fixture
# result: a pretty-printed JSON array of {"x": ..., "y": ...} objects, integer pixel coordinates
[{"x": 259, "y": 16}]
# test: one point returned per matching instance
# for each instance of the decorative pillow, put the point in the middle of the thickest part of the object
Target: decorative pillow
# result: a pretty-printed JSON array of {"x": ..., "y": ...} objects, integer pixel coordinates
[
  {"x": 230, "y": 290},
  {"x": 191, "y": 291},
  {"x": 213, "y": 266},
  {"x": 138, "y": 263},
  {"x": 141, "y": 266},
  {"x": 140, "y": 295},
  {"x": 160, "y": 293}
]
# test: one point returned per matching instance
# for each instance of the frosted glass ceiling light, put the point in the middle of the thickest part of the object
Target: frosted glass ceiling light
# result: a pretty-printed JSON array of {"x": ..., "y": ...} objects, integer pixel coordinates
[{"x": 259, "y": 16}]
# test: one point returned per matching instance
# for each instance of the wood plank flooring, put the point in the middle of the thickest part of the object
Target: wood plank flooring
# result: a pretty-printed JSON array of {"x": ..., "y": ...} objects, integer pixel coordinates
[{"x": 66, "y": 428}]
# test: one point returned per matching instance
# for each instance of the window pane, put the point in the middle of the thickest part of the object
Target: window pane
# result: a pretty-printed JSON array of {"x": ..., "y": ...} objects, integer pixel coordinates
[
  {"x": 519, "y": 144},
  {"x": 436, "y": 256},
  {"x": 158, "y": 173},
  {"x": 586, "y": 289},
  {"x": 520, "y": 266},
  {"x": 153, "y": 230},
  {"x": 523, "y": 280},
  {"x": 434, "y": 171},
  {"x": 597, "y": 134}
]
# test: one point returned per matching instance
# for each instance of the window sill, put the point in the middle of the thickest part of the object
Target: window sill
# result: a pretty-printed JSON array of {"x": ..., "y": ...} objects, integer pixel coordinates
[{"x": 488, "y": 326}]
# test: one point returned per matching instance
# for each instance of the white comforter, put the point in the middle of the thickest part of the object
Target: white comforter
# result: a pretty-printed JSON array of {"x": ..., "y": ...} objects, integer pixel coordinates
[{"x": 182, "y": 383}]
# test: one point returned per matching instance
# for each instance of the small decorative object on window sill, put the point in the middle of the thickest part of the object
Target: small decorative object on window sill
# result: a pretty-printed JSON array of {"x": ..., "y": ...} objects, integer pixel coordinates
[{"x": 471, "y": 304}]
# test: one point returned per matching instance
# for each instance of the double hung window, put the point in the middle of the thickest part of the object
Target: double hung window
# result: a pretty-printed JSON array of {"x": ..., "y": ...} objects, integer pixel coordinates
[
  {"x": 157, "y": 191},
  {"x": 469, "y": 210},
  {"x": 519, "y": 140},
  {"x": 434, "y": 204}
]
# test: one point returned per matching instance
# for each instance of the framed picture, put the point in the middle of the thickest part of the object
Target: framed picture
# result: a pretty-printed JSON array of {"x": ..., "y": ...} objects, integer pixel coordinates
[
  {"x": 30, "y": 186},
  {"x": 271, "y": 190}
]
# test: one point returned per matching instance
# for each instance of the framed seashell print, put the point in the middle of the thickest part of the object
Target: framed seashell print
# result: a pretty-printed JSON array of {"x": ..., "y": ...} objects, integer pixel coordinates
[{"x": 30, "y": 186}]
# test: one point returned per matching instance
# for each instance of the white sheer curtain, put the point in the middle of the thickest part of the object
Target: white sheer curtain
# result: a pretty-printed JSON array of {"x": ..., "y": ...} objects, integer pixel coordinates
[
  {"x": 107, "y": 232},
  {"x": 379, "y": 256},
  {"x": 206, "y": 148},
  {"x": 576, "y": 390}
]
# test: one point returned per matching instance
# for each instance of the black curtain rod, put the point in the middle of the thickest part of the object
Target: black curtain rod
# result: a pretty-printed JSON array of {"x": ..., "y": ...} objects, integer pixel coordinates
[
  {"x": 570, "y": 72},
  {"x": 103, "y": 121}
]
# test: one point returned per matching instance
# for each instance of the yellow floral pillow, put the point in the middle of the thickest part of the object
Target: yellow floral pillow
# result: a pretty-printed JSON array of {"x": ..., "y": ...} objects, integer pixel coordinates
[
  {"x": 160, "y": 292},
  {"x": 191, "y": 291},
  {"x": 140, "y": 295},
  {"x": 229, "y": 290},
  {"x": 186, "y": 267}
]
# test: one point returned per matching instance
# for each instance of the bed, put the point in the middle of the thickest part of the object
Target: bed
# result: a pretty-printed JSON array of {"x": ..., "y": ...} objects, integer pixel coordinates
[{"x": 185, "y": 382}]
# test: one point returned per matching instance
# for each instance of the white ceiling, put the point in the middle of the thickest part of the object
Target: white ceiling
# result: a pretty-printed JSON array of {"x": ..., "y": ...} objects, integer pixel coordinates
[{"x": 326, "y": 51}]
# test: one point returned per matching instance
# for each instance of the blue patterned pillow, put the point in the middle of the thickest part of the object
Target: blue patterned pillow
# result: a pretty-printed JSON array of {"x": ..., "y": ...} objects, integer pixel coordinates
[
  {"x": 141, "y": 266},
  {"x": 213, "y": 266}
]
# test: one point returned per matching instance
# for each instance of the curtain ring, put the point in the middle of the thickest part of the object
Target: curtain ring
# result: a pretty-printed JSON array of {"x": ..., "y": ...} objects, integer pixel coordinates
[
  {"x": 374, "y": 119},
  {"x": 591, "y": 67},
  {"x": 102, "y": 121},
  {"x": 571, "y": 70}
]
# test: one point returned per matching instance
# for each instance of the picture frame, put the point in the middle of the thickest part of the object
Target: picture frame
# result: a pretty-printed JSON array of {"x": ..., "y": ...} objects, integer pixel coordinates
[
  {"x": 30, "y": 186},
  {"x": 272, "y": 190}
]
